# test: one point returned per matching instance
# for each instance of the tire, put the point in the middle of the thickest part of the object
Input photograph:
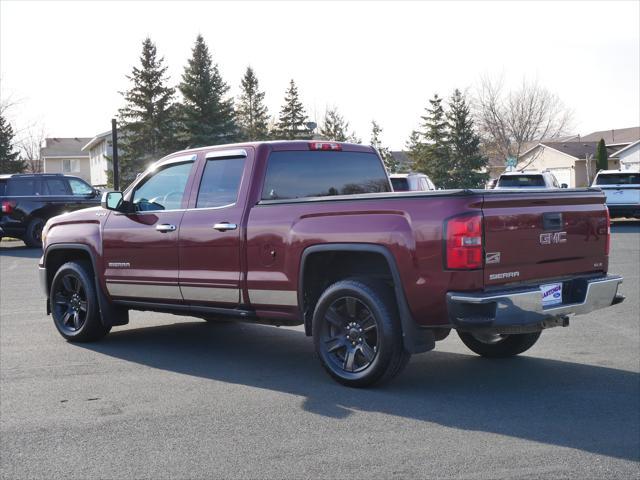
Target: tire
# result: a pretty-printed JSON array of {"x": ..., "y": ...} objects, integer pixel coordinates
[
  {"x": 499, "y": 346},
  {"x": 74, "y": 304},
  {"x": 33, "y": 235},
  {"x": 357, "y": 333}
]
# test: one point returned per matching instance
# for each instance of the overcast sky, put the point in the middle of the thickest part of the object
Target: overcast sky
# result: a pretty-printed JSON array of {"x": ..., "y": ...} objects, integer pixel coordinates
[{"x": 67, "y": 61}]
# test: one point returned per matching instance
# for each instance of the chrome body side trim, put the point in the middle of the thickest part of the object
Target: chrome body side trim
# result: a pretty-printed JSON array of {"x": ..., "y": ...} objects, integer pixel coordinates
[
  {"x": 273, "y": 297},
  {"x": 210, "y": 294},
  {"x": 142, "y": 290}
]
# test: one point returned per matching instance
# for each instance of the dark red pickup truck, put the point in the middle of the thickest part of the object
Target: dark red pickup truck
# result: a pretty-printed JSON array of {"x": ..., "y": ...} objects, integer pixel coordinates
[{"x": 292, "y": 233}]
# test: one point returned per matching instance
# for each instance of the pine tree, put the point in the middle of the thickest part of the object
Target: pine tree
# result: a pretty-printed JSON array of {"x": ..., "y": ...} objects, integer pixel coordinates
[
  {"x": 206, "y": 115},
  {"x": 9, "y": 157},
  {"x": 291, "y": 122},
  {"x": 335, "y": 127},
  {"x": 148, "y": 120},
  {"x": 390, "y": 163},
  {"x": 252, "y": 114},
  {"x": 602, "y": 157},
  {"x": 466, "y": 162},
  {"x": 431, "y": 155}
]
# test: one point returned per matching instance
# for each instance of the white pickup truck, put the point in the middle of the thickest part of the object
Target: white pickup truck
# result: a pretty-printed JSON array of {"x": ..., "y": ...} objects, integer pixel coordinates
[
  {"x": 528, "y": 180},
  {"x": 622, "y": 188}
]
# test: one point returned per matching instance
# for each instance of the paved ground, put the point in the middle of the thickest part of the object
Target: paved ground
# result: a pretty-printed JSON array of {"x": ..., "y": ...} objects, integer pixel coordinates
[{"x": 173, "y": 397}]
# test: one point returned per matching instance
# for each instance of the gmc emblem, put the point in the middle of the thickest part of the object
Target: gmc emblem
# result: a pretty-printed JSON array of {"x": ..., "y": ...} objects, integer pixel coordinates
[{"x": 551, "y": 238}]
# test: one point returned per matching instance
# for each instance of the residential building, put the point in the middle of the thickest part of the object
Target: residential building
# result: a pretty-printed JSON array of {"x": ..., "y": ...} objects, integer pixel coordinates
[
  {"x": 615, "y": 139},
  {"x": 572, "y": 162},
  {"x": 100, "y": 153},
  {"x": 65, "y": 155},
  {"x": 629, "y": 156}
]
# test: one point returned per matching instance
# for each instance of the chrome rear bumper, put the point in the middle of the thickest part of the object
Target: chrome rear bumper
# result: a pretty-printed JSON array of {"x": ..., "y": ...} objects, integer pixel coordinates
[{"x": 518, "y": 308}]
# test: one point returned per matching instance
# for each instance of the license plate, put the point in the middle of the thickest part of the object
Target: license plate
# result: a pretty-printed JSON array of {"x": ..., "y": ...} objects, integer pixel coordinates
[{"x": 551, "y": 294}]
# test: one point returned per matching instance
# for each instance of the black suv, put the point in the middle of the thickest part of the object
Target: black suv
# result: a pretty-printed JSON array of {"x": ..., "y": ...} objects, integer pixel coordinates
[{"x": 27, "y": 201}]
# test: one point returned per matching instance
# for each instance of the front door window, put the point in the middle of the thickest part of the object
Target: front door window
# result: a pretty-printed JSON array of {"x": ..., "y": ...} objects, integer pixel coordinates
[{"x": 163, "y": 190}]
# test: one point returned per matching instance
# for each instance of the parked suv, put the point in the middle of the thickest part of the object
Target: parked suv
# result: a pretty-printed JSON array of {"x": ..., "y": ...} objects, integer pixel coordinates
[
  {"x": 528, "y": 180},
  {"x": 309, "y": 233},
  {"x": 27, "y": 201},
  {"x": 411, "y": 182},
  {"x": 622, "y": 188}
]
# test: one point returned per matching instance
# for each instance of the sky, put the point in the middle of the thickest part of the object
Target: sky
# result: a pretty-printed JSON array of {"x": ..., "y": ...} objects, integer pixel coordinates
[{"x": 64, "y": 63}]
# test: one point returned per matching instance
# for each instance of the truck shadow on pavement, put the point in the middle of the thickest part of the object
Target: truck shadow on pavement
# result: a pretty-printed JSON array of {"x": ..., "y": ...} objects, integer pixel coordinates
[
  {"x": 625, "y": 226},
  {"x": 586, "y": 407}
]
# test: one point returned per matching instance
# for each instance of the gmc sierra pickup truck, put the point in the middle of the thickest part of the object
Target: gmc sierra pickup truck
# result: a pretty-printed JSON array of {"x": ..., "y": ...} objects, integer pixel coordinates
[{"x": 310, "y": 233}]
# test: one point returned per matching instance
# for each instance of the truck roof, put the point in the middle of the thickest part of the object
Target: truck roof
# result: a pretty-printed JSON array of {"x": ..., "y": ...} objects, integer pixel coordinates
[{"x": 279, "y": 145}]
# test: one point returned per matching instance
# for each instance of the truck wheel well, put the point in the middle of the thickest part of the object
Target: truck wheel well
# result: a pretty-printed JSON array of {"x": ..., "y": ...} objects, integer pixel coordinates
[
  {"x": 57, "y": 258},
  {"x": 323, "y": 269}
]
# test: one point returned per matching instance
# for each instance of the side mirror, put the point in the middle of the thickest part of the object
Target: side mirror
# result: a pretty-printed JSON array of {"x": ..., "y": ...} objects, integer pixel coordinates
[
  {"x": 564, "y": 185},
  {"x": 112, "y": 200}
]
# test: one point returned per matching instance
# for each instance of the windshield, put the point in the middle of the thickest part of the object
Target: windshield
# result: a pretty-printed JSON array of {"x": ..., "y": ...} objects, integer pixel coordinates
[
  {"x": 400, "y": 184},
  {"x": 521, "y": 181},
  {"x": 618, "y": 179}
]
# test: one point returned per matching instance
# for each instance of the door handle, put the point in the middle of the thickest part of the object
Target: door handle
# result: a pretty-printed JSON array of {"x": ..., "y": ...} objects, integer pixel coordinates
[
  {"x": 165, "y": 227},
  {"x": 223, "y": 226}
]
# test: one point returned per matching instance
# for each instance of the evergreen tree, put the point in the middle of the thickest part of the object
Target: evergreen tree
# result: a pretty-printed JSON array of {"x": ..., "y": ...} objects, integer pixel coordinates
[
  {"x": 602, "y": 157},
  {"x": 431, "y": 154},
  {"x": 414, "y": 148},
  {"x": 147, "y": 120},
  {"x": 390, "y": 163},
  {"x": 9, "y": 157},
  {"x": 291, "y": 122},
  {"x": 466, "y": 161},
  {"x": 335, "y": 128},
  {"x": 206, "y": 116},
  {"x": 251, "y": 111}
]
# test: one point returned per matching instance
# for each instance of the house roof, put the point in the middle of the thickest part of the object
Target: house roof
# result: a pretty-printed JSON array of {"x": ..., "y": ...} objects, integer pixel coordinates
[
  {"x": 64, "y": 147},
  {"x": 578, "y": 150},
  {"x": 614, "y": 136},
  {"x": 628, "y": 147},
  {"x": 96, "y": 140}
]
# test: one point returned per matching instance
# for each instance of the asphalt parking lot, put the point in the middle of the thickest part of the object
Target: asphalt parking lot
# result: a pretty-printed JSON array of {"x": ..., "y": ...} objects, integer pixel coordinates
[{"x": 175, "y": 397}]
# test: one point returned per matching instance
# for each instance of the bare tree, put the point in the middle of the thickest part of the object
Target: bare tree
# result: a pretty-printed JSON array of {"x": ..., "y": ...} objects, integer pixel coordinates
[
  {"x": 510, "y": 120},
  {"x": 29, "y": 145}
]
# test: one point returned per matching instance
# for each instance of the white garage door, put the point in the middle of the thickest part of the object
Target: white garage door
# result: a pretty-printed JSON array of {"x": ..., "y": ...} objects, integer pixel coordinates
[{"x": 563, "y": 175}]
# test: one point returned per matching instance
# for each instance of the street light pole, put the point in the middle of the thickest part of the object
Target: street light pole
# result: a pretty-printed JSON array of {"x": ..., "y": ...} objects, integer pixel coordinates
[{"x": 116, "y": 164}]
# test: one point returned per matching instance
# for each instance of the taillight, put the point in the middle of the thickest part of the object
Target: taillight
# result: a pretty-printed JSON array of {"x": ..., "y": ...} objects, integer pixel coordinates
[
  {"x": 463, "y": 242},
  {"x": 7, "y": 206},
  {"x": 607, "y": 243},
  {"x": 325, "y": 146}
]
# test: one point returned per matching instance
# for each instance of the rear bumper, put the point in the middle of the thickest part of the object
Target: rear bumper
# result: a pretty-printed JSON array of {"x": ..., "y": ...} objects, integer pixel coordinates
[
  {"x": 11, "y": 228},
  {"x": 520, "y": 310}
]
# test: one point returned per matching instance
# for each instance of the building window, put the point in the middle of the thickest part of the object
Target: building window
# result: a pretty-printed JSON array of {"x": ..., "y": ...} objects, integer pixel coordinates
[{"x": 70, "y": 165}]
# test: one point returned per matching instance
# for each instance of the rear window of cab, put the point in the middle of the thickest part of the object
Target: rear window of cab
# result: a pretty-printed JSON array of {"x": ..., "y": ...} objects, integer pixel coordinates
[
  {"x": 301, "y": 174},
  {"x": 521, "y": 181},
  {"x": 618, "y": 179}
]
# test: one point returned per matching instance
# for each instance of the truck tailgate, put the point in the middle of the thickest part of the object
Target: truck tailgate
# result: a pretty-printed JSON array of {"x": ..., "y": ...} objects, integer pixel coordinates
[{"x": 533, "y": 236}]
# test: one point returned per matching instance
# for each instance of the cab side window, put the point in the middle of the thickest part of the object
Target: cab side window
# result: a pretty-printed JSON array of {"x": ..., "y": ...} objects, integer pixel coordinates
[
  {"x": 220, "y": 182},
  {"x": 163, "y": 189},
  {"x": 78, "y": 187},
  {"x": 55, "y": 186}
]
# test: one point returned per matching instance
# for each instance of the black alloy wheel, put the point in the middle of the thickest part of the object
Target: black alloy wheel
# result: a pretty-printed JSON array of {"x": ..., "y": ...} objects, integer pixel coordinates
[
  {"x": 357, "y": 332},
  {"x": 349, "y": 335},
  {"x": 70, "y": 307},
  {"x": 74, "y": 303}
]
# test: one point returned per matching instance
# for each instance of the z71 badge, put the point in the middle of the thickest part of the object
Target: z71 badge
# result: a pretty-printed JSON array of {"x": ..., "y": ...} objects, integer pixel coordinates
[{"x": 492, "y": 257}]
